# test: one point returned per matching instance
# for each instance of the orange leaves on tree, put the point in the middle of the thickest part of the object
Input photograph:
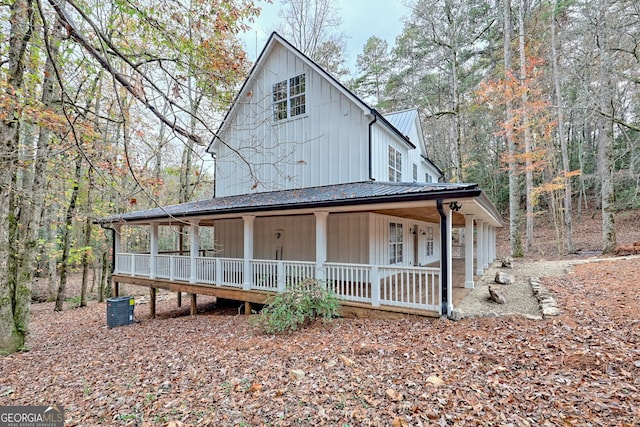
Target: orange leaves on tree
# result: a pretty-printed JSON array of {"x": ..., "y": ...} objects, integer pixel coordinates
[{"x": 540, "y": 122}]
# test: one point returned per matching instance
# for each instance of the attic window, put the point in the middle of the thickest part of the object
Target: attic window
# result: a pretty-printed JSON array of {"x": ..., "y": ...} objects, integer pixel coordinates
[{"x": 289, "y": 98}]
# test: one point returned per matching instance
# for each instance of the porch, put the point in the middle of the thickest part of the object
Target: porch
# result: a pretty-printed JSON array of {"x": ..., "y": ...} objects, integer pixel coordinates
[
  {"x": 363, "y": 290},
  {"x": 380, "y": 247}
]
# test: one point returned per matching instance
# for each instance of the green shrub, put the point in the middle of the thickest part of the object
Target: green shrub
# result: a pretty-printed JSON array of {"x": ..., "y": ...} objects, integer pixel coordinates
[{"x": 297, "y": 306}]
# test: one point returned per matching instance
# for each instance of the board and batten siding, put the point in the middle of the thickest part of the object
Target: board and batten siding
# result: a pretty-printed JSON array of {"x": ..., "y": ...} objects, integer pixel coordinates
[
  {"x": 348, "y": 238},
  {"x": 379, "y": 241},
  {"x": 290, "y": 238},
  {"x": 381, "y": 139},
  {"x": 358, "y": 238},
  {"x": 229, "y": 238},
  {"x": 328, "y": 144},
  {"x": 294, "y": 238}
]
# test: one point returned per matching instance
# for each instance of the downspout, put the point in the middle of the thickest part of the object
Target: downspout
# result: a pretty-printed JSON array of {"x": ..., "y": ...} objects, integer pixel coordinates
[
  {"x": 375, "y": 119},
  {"x": 444, "y": 257}
]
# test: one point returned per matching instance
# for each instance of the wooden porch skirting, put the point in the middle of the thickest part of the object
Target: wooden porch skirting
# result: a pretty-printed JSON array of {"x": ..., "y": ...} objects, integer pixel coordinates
[{"x": 347, "y": 308}]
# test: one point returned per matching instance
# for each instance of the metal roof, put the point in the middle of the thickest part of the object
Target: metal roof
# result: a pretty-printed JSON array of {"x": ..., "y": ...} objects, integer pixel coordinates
[
  {"x": 403, "y": 120},
  {"x": 358, "y": 193}
]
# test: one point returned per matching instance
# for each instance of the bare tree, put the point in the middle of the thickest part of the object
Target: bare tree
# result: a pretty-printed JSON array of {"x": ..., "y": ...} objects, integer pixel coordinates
[
  {"x": 526, "y": 133},
  {"x": 313, "y": 26},
  {"x": 514, "y": 193},
  {"x": 605, "y": 128},
  {"x": 561, "y": 134}
]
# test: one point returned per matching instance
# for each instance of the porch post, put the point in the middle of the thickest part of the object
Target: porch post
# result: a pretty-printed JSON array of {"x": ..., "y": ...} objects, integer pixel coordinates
[
  {"x": 248, "y": 249},
  {"x": 449, "y": 214},
  {"x": 153, "y": 251},
  {"x": 194, "y": 304},
  {"x": 321, "y": 244},
  {"x": 152, "y": 302},
  {"x": 468, "y": 249},
  {"x": 117, "y": 246},
  {"x": 194, "y": 231},
  {"x": 479, "y": 247},
  {"x": 494, "y": 230},
  {"x": 485, "y": 245}
]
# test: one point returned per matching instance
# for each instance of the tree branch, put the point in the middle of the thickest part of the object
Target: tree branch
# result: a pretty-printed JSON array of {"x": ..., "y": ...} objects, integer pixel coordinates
[{"x": 123, "y": 80}]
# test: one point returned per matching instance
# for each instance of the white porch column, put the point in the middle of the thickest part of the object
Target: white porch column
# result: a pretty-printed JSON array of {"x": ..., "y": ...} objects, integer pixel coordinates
[
  {"x": 194, "y": 232},
  {"x": 468, "y": 251},
  {"x": 117, "y": 239},
  {"x": 449, "y": 214},
  {"x": 479, "y": 247},
  {"x": 321, "y": 244},
  {"x": 248, "y": 249},
  {"x": 485, "y": 245},
  {"x": 117, "y": 246},
  {"x": 153, "y": 250},
  {"x": 492, "y": 245}
]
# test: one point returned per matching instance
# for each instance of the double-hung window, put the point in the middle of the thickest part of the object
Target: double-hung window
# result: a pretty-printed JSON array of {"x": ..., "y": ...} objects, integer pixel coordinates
[
  {"x": 396, "y": 239},
  {"x": 395, "y": 165},
  {"x": 289, "y": 98},
  {"x": 428, "y": 237}
]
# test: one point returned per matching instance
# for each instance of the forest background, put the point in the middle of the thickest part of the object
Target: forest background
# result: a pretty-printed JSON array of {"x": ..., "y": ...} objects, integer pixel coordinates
[{"x": 105, "y": 107}]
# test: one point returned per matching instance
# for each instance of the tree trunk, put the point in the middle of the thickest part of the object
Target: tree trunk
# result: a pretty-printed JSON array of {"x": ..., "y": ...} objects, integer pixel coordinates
[
  {"x": 52, "y": 269},
  {"x": 526, "y": 131},
  {"x": 85, "y": 261},
  {"x": 66, "y": 235},
  {"x": 566, "y": 166},
  {"x": 514, "y": 193},
  {"x": 605, "y": 134},
  {"x": 14, "y": 301},
  {"x": 103, "y": 276}
]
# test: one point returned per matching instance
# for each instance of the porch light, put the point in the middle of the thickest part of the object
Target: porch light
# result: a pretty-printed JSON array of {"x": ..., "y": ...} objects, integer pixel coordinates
[{"x": 455, "y": 206}]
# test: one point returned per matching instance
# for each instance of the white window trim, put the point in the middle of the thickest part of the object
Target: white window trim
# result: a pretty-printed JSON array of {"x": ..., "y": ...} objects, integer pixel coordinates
[
  {"x": 394, "y": 161},
  {"x": 396, "y": 241},
  {"x": 286, "y": 99}
]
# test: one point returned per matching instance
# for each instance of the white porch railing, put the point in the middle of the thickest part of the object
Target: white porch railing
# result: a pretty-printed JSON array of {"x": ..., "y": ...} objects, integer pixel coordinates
[
  {"x": 277, "y": 275},
  {"x": 173, "y": 267},
  {"x": 411, "y": 287}
]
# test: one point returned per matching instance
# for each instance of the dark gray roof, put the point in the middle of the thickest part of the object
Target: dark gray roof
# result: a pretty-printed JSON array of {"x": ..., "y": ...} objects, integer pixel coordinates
[{"x": 357, "y": 193}]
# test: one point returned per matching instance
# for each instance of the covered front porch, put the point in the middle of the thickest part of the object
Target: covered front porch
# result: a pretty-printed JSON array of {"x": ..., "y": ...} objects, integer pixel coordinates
[
  {"x": 391, "y": 249},
  {"x": 395, "y": 290}
]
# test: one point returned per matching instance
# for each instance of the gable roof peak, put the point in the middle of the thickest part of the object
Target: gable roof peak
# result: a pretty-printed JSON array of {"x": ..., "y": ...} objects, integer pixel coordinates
[{"x": 276, "y": 38}]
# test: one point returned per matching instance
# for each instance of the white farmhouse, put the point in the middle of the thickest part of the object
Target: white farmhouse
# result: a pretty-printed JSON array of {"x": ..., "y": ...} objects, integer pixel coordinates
[{"x": 313, "y": 182}]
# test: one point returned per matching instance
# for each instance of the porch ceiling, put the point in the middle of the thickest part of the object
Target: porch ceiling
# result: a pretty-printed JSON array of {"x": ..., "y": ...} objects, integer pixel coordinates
[{"x": 426, "y": 214}]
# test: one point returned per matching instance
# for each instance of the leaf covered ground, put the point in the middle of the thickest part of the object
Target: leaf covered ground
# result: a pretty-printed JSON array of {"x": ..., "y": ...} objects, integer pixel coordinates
[{"x": 581, "y": 368}]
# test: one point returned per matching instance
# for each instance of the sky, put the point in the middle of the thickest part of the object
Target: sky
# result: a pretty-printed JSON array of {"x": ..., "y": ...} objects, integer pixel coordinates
[{"x": 361, "y": 19}]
